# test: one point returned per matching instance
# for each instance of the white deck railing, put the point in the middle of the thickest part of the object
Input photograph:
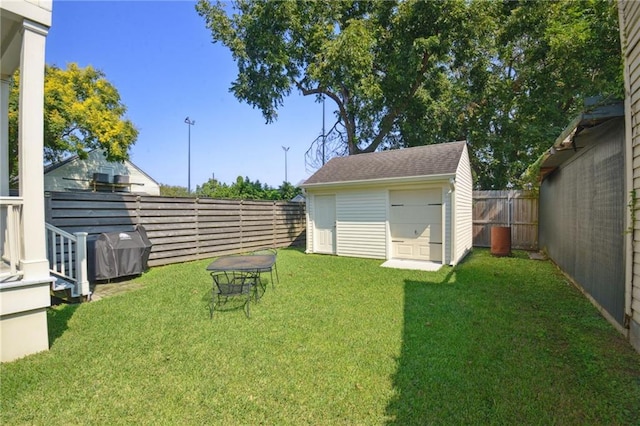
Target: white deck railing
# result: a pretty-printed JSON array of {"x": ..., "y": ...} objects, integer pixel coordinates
[
  {"x": 11, "y": 236},
  {"x": 67, "y": 254}
]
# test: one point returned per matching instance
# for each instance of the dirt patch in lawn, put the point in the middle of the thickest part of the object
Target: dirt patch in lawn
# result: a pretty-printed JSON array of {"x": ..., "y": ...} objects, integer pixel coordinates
[{"x": 102, "y": 290}]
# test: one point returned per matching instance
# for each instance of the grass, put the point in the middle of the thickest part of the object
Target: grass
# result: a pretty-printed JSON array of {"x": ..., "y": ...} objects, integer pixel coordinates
[{"x": 339, "y": 341}]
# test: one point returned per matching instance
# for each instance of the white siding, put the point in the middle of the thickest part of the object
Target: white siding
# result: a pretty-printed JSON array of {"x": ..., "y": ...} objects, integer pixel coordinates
[
  {"x": 447, "y": 221},
  {"x": 310, "y": 221},
  {"x": 361, "y": 218},
  {"x": 74, "y": 175},
  {"x": 630, "y": 37},
  {"x": 462, "y": 209}
]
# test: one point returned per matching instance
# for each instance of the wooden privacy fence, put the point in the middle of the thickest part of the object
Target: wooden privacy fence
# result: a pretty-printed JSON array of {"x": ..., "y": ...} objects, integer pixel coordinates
[
  {"x": 181, "y": 229},
  {"x": 518, "y": 209}
]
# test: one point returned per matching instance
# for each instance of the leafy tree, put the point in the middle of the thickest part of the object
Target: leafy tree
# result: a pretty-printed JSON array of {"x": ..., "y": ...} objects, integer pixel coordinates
[
  {"x": 506, "y": 76},
  {"x": 286, "y": 191},
  {"x": 82, "y": 111},
  {"x": 244, "y": 188},
  {"x": 534, "y": 65},
  {"x": 173, "y": 191},
  {"x": 376, "y": 60}
]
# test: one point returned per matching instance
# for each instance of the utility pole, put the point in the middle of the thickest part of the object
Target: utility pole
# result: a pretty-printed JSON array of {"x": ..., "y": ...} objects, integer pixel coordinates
[
  {"x": 286, "y": 149},
  {"x": 189, "y": 123}
]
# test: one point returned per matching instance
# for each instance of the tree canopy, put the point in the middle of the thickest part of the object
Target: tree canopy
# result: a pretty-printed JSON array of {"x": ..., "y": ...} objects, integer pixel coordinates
[
  {"x": 505, "y": 76},
  {"x": 82, "y": 111},
  {"x": 241, "y": 189},
  {"x": 245, "y": 189},
  {"x": 373, "y": 59},
  {"x": 173, "y": 191},
  {"x": 534, "y": 66}
]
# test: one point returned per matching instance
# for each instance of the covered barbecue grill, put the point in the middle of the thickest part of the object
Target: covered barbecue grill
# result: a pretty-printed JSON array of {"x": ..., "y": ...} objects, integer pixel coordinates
[{"x": 118, "y": 254}]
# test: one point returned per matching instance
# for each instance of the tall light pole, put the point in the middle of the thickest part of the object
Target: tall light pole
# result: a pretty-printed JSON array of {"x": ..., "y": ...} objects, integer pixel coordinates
[
  {"x": 286, "y": 149},
  {"x": 189, "y": 123},
  {"x": 324, "y": 137}
]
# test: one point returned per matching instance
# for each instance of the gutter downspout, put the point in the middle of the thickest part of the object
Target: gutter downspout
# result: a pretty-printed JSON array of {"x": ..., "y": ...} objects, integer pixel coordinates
[
  {"x": 628, "y": 170},
  {"x": 452, "y": 218}
]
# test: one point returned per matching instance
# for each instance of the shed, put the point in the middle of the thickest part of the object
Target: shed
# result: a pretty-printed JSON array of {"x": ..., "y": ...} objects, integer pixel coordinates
[
  {"x": 97, "y": 174},
  {"x": 583, "y": 205},
  {"x": 411, "y": 203}
]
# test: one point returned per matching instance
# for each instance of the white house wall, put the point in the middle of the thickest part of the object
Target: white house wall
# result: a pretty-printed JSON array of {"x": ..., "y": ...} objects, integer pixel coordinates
[
  {"x": 73, "y": 175},
  {"x": 629, "y": 13},
  {"x": 463, "y": 209},
  {"x": 361, "y": 223}
]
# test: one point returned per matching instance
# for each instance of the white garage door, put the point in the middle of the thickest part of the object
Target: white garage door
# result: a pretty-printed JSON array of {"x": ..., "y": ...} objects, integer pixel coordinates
[{"x": 416, "y": 224}]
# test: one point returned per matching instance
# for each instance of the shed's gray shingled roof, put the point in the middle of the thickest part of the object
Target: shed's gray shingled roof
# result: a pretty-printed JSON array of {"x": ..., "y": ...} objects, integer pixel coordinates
[{"x": 425, "y": 160}]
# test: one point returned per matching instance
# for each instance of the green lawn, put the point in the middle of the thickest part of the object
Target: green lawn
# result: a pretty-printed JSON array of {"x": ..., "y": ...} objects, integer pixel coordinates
[{"x": 339, "y": 341}]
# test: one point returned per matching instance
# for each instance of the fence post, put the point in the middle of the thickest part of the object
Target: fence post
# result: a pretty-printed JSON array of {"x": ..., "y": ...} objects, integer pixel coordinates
[
  {"x": 82, "y": 280},
  {"x": 47, "y": 207},
  {"x": 138, "y": 198},
  {"x": 241, "y": 220},
  {"x": 196, "y": 212},
  {"x": 274, "y": 207}
]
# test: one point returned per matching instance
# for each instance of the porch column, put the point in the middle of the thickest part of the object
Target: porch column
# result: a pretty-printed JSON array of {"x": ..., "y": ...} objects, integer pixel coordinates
[
  {"x": 4, "y": 151},
  {"x": 31, "y": 129},
  {"x": 4, "y": 135}
]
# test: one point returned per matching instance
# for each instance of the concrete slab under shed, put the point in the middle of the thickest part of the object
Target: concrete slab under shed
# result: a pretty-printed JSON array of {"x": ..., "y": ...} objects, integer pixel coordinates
[{"x": 412, "y": 264}]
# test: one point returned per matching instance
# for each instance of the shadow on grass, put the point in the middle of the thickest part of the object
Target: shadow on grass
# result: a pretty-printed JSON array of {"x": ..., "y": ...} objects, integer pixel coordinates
[
  {"x": 487, "y": 343},
  {"x": 424, "y": 342},
  {"x": 58, "y": 316}
]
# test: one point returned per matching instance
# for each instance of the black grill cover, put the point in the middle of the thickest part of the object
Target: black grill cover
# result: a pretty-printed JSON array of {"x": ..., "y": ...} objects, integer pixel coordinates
[{"x": 118, "y": 254}]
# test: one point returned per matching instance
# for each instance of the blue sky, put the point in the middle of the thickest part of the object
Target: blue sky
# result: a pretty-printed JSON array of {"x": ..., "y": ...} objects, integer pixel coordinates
[{"x": 160, "y": 57}]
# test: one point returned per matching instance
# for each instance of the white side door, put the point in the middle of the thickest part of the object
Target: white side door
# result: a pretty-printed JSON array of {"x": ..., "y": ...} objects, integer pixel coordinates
[{"x": 325, "y": 224}]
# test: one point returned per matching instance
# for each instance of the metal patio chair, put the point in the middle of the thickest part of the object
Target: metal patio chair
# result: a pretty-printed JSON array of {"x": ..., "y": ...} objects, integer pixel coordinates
[
  {"x": 228, "y": 285},
  {"x": 269, "y": 252}
]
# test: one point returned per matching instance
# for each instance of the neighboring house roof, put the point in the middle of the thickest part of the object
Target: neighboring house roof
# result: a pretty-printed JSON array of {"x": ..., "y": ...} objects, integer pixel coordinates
[
  {"x": 428, "y": 160},
  {"x": 59, "y": 164},
  {"x": 73, "y": 158}
]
